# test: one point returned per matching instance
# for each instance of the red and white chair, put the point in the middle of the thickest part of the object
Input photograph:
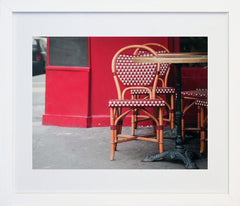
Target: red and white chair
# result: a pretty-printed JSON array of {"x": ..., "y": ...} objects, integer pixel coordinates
[
  {"x": 189, "y": 99},
  {"x": 129, "y": 76},
  {"x": 162, "y": 89}
]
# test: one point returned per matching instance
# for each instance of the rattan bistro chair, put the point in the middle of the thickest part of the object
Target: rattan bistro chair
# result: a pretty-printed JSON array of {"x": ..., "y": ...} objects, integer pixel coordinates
[
  {"x": 189, "y": 98},
  {"x": 129, "y": 75},
  {"x": 161, "y": 89}
]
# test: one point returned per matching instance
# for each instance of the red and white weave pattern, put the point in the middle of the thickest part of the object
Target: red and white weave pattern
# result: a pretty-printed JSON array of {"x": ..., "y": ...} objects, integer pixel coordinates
[
  {"x": 136, "y": 103},
  {"x": 159, "y": 90},
  {"x": 164, "y": 67},
  {"x": 198, "y": 93},
  {"x": 202, "y": 102},
  {"x": 134, "y": 74}
]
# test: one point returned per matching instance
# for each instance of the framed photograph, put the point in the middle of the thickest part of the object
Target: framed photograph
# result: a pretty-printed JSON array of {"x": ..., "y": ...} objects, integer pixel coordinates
[{"x": 23, "y": 182}]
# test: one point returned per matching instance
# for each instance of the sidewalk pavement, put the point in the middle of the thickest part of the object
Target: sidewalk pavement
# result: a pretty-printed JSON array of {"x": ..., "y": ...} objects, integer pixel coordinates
[{"x": 89, "y": 148}]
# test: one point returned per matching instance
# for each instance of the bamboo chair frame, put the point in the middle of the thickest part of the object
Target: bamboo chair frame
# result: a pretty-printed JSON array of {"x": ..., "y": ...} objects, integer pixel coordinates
[
  {"x": 139, "y": 118},
  {"x": 192, "y": 101},
  {"x": 117, "y": 115},
  {"x": 203, "y": 123}
]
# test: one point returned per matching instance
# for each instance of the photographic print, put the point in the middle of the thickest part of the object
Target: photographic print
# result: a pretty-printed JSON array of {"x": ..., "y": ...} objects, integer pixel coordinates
[{"x": 97, "y": 106}]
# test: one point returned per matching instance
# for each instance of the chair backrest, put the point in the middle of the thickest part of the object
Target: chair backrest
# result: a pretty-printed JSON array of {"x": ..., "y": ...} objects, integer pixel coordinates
[
  {"x": 164, "y": 67},
  {"x": 132, "y": 75}
]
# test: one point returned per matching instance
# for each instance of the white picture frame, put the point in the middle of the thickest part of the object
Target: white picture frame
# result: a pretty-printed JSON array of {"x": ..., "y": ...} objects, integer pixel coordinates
[{"x": 8, "y": 196}]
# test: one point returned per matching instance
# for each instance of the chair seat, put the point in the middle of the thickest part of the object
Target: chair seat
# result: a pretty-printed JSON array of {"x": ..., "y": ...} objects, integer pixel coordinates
[
  {"x": 202, "y": 102},
  {"x": 198, "y": 93},
  {"x": 159, "y": 90},
  {"x": 136, "y": 103}
]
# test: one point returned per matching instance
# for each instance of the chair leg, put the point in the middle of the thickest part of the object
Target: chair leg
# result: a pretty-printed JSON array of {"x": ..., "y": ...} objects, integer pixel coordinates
[
  {"x": 119, "y": 126},
  {"x": 134, "y": 121},
  {"x": 198, "y": 117},
  {"x": 183, "y": 126},
  {"x": 113, "y": 134},
  {"x": 112, "y": 151},
  {"x": 202, "y": 132},
  {"x": 134, "y": 115},
  {"x": 172, "y": 112},
  {"x": 119, "y": 129},
  {"x": 160, "y": 131},
  {"x": 156, "y": 115}
]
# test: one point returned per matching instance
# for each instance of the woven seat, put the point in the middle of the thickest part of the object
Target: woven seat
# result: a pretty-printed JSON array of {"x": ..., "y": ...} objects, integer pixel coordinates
[
  {"x": 202, "y": 102},
  {"x": 198, "y": 93},
  {"x": 136, "y": 103},
  {"x": 159, "y": 90}
]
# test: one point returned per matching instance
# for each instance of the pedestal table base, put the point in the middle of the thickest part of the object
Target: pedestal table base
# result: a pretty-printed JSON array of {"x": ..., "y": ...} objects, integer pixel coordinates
[{"x": 177, "y": 154}]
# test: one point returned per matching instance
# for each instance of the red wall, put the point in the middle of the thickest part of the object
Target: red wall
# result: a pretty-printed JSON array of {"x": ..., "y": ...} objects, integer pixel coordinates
[{"x": 78, "y": 97}]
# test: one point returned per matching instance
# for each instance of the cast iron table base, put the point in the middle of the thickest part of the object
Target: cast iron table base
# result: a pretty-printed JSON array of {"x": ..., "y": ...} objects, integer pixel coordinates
[{"x": 179, "y": 153}]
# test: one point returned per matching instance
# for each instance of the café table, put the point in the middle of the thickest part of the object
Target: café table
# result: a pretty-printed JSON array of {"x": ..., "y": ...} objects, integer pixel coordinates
[{"x": 179, "y": 59}]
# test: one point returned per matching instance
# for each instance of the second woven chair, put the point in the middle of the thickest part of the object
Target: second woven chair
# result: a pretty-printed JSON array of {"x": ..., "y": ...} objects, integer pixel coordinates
[
  {"x": 128, "y": 76},
  {"x": 161, "y": 89},
  {"x": 197, "y": 97}
]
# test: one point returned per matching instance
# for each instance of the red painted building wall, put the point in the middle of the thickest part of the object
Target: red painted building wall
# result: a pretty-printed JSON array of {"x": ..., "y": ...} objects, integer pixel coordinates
[{"x": 78, "y": 97}]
